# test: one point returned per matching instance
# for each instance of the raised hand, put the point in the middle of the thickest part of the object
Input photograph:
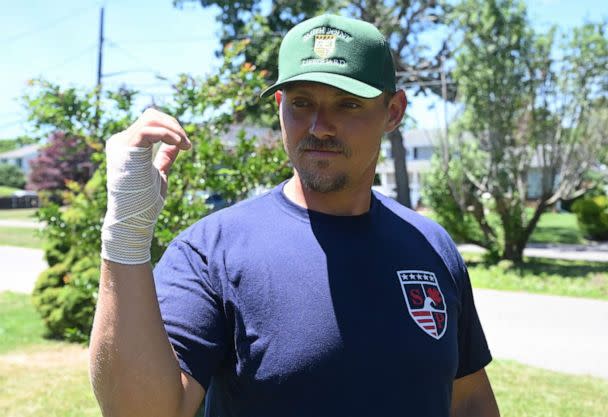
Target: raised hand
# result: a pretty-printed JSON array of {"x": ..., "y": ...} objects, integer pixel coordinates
[{"x": 137, "y": 186}]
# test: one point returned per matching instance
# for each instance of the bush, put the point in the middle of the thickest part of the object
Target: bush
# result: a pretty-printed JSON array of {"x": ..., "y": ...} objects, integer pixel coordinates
[
  {"x": 11, "y": 176},
  {"x": 592, "y": 216},
  {"x": 65, "y": 297},
  {"x": 65, "y": 294},
  {"x": 444, "y": 192}
]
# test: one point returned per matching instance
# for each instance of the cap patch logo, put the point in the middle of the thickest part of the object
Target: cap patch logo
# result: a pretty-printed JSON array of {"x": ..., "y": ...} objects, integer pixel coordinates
[
  {"x": 424, "y": 300},
  {"x": 325, "y": 45}
]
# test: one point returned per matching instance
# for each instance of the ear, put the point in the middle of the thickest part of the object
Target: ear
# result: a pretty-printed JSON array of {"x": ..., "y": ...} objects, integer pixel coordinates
[
  {"x": 278, "y": 95},
  {"x": 396, "y": 110}
]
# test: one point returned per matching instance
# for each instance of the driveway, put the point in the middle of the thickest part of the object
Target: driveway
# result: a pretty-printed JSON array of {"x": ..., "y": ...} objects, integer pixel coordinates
[
  {"x": 596, "y": 252},
  {"x": 19, "y": 268},
  {"x": 559, "y": 333}
]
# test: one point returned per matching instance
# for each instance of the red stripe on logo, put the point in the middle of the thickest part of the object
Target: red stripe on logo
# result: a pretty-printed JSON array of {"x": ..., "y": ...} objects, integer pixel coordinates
[
  {"x": 429, "y": 327},
  {"x": 421, "y": 313},
  {"x": 424, "y": 320}
]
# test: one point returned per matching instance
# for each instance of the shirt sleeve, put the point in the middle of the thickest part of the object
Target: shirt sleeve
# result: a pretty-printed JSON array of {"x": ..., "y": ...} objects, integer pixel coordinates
[
  {"x": 192, "y": 310},
  {"x": 473, "y": 351}
]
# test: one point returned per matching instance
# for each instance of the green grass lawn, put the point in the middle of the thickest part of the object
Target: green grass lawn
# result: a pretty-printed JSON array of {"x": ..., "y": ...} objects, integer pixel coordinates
[
  {"x": 551, "y": 228},
  {"x": 18, "y": 214},
  {"x": 557, "y": 228},
  {"x": 525, "y": 391},
  {"x": 20, "y": 236},
  {"x": 40, "y": 377},
  {"x": 20, "y": 326},
  {"x": 543, "y": 276}
]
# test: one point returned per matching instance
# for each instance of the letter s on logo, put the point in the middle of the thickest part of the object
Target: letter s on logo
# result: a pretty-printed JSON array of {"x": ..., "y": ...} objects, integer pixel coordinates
[{"x": 416, "y": 296}]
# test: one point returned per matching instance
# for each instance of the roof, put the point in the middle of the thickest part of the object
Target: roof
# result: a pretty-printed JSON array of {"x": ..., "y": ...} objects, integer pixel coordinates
[
  {"x": 421, "y": 137},
  {"x": 21, "y": 152}
]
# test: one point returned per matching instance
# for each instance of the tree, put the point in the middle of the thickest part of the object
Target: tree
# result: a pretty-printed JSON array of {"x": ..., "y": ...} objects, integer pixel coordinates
[
  {"x": 526, "y": 106},
  {"x": 403, "y": 23},
  {"x": 64, "y": 158},
  {"x": 11, "y": 176}
]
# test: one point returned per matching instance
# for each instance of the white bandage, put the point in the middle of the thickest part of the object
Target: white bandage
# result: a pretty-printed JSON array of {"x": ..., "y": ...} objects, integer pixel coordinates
[{"x": 134, "y": 203}]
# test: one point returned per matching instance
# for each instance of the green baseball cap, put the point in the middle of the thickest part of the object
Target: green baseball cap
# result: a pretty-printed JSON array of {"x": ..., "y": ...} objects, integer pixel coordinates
[{"x": 346, "y": 53}]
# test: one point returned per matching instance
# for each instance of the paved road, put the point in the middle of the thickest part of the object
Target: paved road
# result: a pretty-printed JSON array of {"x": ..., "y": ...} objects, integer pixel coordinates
[
  {"x": 19, "y": 268},
  {"x": 21, "y": 223},
  {"x": 559, "y": 333},
  {"x": 596, "y": 252}
]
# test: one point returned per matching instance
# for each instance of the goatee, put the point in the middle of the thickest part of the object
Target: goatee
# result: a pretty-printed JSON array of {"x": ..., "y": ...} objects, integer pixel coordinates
[{"x": 314, "y": 179}]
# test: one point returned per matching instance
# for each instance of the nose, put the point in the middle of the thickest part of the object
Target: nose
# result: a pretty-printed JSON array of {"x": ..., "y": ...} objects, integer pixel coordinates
[{"x": 322, "y": 125}]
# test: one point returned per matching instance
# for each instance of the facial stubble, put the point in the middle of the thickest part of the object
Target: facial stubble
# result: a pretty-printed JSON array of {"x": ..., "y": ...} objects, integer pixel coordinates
[{"x": 314, "y": 177}]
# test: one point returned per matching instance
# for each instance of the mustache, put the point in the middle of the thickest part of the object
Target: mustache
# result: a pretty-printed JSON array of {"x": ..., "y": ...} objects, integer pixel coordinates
[{"x": 312, "y": 143}]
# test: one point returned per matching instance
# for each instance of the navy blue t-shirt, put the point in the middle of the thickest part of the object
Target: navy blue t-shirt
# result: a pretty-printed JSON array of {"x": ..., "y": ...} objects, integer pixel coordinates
[{"x": 281, "y": 311}]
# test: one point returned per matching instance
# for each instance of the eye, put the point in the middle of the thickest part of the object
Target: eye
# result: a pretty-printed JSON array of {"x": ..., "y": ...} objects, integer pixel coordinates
[
  {"x": 300, "y": 102},
  {"x": 350, "y": 104}
]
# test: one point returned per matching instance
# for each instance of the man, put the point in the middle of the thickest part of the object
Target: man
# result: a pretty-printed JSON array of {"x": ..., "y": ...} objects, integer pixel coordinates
[{"x": 318, "y": 298}]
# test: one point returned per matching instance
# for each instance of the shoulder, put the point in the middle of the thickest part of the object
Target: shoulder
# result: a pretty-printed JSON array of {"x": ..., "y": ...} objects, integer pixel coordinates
[
  {"x": 430, "y": 231},
  {"x": 426, "y": 226},
  {"x": 236, "y": 217}
]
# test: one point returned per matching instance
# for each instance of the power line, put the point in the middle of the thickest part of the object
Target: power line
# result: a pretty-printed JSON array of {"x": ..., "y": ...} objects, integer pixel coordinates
[
  {"x": 184, "y": 40},
  {"x": 130, "y": 55},
  {"x": 72, "y": 58},
  {"x": 49, "y": 25}
]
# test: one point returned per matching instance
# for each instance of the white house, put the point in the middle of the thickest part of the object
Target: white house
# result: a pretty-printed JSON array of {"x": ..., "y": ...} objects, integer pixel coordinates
[
  {"x": 21, "y": 157},
  {"x": 419, "y": 146}
]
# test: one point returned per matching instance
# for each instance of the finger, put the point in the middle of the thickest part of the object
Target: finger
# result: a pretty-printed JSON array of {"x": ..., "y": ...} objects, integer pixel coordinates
[
  {"x": 185, "y": 141},
  {"x": 165, "y": 157},
  {"x": 148, "y": 135},
  {"x": 153, "y": 117}
]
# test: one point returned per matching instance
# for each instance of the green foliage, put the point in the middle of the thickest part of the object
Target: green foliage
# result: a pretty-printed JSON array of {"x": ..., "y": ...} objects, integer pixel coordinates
[
  {"x": 592, "y": 216},
  {"x": 52, "y": 108},
  {"x": 66, "y": 293},
  {"x": 448, "y": 191},
  {"x": 235, "y": 169},
  {"x": 525, "y": 110},
  {"x": 11, "y": 176}
]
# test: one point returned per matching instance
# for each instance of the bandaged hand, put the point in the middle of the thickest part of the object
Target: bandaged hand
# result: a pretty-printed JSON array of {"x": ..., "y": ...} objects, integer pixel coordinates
[{"x": 137, "y": 185}]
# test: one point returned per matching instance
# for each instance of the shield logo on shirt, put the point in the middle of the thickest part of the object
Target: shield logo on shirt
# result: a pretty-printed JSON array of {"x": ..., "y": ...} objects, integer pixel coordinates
[
  {"x": 424, "y": 301},
  {"x": 324, "y": 45}
]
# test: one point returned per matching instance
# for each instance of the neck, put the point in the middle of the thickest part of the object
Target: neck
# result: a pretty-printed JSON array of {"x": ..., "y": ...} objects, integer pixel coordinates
[{"x": 347, "y": 202}]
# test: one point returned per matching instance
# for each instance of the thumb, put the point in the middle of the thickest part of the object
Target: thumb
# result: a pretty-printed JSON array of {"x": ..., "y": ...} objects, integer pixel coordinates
[{"x": 165, "y": 157}]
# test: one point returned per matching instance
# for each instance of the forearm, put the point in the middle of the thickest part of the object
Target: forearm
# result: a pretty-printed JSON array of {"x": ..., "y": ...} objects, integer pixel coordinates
[
  {"x": 133, "y": 368},
  {"x": 472, "y": 396},
  {"x": 476, "y": 409}
]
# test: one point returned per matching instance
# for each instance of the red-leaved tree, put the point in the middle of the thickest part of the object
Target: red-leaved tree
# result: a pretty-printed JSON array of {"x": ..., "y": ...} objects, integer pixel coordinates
[{"x": 64, "y": 158}]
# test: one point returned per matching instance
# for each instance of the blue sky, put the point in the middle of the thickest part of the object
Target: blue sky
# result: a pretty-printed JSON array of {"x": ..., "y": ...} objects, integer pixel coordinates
[{"x": 57, "y": 41}]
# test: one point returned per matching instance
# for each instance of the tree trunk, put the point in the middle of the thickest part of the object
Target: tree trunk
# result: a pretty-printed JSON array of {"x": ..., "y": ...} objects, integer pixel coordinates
[
  {"x": 401, "y": 177},
  {"x": 514, "y": 251}
]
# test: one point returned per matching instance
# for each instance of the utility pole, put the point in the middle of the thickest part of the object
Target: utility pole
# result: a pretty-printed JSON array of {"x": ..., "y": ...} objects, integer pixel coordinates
[
  {"x": 99, "y": 66},
  {"x": 444, "y": 95}
]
